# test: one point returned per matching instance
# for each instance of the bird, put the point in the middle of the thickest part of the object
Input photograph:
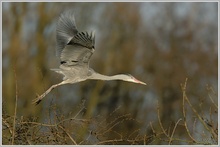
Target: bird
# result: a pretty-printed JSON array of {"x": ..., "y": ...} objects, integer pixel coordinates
[{"x": 75, "y": 48}]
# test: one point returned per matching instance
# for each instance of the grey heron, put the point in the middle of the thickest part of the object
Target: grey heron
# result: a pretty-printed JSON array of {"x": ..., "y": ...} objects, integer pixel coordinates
[{"x": 75, "y": 49}]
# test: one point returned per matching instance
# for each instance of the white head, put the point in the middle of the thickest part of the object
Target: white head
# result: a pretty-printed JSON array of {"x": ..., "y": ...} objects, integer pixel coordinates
[{"x": 130, "y": 78}]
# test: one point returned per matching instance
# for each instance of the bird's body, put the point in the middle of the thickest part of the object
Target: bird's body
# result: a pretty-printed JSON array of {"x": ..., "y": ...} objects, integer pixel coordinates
[
  {"x": 75, "y": 49},
  {"x": 70, "y": 73}
]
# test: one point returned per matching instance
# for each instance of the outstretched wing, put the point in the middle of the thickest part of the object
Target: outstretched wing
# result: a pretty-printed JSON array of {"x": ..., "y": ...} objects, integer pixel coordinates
[{"x": 73, "y": 47}]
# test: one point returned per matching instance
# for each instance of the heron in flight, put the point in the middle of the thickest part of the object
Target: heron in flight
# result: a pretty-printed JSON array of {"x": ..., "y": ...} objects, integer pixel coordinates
[{"x": 75, "y": 49}]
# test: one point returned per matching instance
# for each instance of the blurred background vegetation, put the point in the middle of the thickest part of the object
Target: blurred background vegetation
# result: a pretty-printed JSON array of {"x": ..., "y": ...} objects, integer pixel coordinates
[{"x": 161, "y": 44}]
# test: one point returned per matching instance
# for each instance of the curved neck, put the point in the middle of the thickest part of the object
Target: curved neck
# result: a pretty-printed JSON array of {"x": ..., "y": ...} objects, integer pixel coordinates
[{"x": 97, "y": 76}]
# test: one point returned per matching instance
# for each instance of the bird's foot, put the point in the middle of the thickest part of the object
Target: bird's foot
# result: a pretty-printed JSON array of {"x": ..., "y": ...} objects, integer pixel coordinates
[{"x": 37, "y": 100}]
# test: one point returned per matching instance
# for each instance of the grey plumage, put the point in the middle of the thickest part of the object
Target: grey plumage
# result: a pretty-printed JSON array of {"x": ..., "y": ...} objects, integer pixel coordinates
[
  {"x": 66, "y": 29},
  {"x": 75, "y": 49}
]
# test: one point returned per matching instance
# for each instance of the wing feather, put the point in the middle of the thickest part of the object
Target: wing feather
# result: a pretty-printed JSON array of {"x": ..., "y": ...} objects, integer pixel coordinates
[
  {"x": 83, "y": 39},
  {"x": 66, "y": 30},
  {"x": 73, "y": 47},
  {"x": 75, "y": 54}
]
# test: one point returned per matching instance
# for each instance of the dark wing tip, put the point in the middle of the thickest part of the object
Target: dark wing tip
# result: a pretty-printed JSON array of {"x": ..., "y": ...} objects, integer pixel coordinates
[{"x": 84, "y": 39}]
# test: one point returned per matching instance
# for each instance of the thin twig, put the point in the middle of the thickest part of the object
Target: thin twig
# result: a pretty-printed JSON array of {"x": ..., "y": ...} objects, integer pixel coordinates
[
  {"x": 176, "y": 139},
  {"x": 133, "y": 133},
  {"x": 39, "y": 124},
  {"x": 15, "y": 111},
  {"x": 184, "y": 111},
  {"x": 194, "y": 110},
  {"x": 109, "y": 129},
  {"x": 160, "y": 123},
  {"x": 174, "y": 130},
  {"x": 110, "y": 141},
  {"x": 112, "y": 123},
  {"x": 8, "y": 125},
  {"x": 152, "y": 128},
  {"x": 53, "y": 125},
  {"x": 79, "y": 111},
  {"x": 210, "y": 88},
  {"x": 68, "y": 135}
]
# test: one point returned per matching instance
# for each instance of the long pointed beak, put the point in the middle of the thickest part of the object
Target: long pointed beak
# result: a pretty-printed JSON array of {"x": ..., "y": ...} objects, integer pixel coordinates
[{"x": 140, "y": 82}]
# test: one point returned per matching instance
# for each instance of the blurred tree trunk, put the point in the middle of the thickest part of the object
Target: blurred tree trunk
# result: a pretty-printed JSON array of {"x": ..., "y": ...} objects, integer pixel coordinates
[{"x": 14, "y": 51}]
